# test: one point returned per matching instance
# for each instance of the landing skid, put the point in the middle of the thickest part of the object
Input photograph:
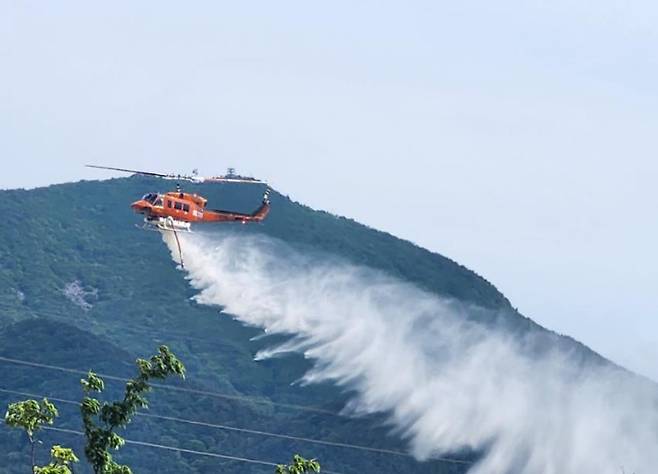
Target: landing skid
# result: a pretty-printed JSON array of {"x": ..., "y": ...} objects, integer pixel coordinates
[
  {"x": 158, "y": 227},
  {"x": 167, "y": 223}
]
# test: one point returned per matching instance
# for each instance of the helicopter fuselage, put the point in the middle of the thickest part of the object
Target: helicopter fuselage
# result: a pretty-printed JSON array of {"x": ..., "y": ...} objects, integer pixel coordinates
[{"x": 180, "y": 209}]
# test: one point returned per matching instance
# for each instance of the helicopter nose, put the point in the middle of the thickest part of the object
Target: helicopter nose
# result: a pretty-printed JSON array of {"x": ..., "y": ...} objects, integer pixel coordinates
[{"x": 141, "y": 206}]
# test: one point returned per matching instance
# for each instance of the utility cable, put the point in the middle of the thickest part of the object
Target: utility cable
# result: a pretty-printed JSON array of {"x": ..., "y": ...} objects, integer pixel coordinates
[
  {"x": 227, "y": 427},
  {"x": 179, "y": 450},
  {"x": 249, "y": 431},
  {"x": 176, "y": 389}
]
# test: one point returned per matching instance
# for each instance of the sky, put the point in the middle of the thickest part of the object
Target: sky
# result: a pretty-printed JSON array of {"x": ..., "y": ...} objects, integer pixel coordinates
[{"x": 515, "y": 137}]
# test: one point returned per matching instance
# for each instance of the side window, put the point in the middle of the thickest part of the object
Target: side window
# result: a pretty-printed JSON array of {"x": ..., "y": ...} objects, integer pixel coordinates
[
  {"x": 168, "y": 203},
  {"x": 178, "y": 205},
  {"x": 186, "y": 207}
]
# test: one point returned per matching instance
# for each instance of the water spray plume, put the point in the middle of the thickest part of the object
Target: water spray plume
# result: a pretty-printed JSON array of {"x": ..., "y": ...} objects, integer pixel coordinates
[{"x": 445, "y": 382}]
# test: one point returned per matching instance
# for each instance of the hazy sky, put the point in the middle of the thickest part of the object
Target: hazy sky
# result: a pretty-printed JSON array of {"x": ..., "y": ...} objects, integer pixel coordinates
[{"x": 517, "y": 138}]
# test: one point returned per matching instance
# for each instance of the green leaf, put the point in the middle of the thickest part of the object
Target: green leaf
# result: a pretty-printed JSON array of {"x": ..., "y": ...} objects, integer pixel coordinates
[
  {"x": 63, "y": 455},
  {"x": 299, "y": 465},
  {"x": 93, "y": 383},
  {"x": 30, "y": 415}
]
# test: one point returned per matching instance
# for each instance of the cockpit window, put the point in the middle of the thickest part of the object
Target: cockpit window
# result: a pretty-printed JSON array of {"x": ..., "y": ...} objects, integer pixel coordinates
[
  {"x": 158, "y": 202},
  {"x": 150, "y": 197}
]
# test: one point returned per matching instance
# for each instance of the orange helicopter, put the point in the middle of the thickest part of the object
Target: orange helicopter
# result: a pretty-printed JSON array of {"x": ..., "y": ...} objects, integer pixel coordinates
[{"x": 177, "y": 210}]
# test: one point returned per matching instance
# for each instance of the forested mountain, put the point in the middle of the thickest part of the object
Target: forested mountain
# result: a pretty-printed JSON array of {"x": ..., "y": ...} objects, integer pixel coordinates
[{"x": 81, "y": 288}]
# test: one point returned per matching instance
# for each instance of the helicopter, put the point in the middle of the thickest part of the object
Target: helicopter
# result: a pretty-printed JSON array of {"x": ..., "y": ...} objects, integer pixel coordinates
[{"x": 177, "y": 210}]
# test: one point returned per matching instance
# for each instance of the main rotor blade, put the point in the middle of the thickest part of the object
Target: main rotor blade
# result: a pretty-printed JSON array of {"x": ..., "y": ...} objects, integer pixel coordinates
[
  {"x": 146, "y": 173},
  {"x": 223, "y": 179},
  {"x": 195, "y": 179},
  {"x": 149, "y": 173}
]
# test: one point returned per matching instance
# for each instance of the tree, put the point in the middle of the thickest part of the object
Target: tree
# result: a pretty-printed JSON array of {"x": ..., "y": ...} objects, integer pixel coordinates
[
  {"x": 102, "y": 419},
  {"x": 299, "y": 466},
  {"x": 60, "y": 462},
  {"x": 31, "y": 415}
]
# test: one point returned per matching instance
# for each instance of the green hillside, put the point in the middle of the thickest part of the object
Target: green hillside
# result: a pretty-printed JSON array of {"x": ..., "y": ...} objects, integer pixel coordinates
[{"x": 81, "y": 288}]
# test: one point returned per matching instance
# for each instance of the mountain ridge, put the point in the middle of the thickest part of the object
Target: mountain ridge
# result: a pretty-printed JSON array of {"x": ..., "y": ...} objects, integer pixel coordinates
[{"x": 80, "y": 236}]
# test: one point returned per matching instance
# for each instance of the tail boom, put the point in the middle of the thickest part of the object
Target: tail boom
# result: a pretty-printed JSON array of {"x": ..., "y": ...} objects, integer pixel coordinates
[{"x": 225, "y": 216}]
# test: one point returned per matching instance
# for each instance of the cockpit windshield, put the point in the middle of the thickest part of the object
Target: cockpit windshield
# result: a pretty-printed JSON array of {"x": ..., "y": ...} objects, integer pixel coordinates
[{"x": 150, "y": 197}]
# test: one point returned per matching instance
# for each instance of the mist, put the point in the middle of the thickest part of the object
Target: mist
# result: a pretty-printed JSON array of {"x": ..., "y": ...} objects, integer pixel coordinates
[{"x": 445, "y": 382}]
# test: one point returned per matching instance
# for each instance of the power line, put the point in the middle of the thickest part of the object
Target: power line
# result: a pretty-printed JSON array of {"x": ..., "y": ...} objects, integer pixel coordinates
[
  {"x": 169, "y": 387},
  {"x": 250, "y": 431},
  {"x": 176, "y": 389},
  {"x": 232, "y": 428},
  {"x": 180, "y": 450},
  {"x": 282, "y": 436},
  {"x": 229, "y": 397},
  {"x": 171, "y": 448}
]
